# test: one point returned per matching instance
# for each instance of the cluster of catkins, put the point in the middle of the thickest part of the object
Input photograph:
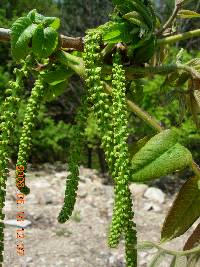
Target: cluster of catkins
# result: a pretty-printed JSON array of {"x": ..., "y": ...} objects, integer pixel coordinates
[
  {"x": 7, "y": 124},
  {"x": 111, "y": 115},
  {"x": 9, "y": 111}
]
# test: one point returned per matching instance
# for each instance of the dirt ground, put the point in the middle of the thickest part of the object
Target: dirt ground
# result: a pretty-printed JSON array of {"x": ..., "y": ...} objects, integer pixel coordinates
[{"x": 82, "y": 241}]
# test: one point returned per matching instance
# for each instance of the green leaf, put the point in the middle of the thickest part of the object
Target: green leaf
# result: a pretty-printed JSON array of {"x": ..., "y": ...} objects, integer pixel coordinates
[
  {"x": 56, "y": 76},
  {"x": 31, "y": 15},
  {"x": 123, "y": 6},
  {"x": 37, "y": 18},
  {"x": 188, "y": 14},
  {"x": 22, "y": 31},
  {"x": 175, "y": 158},
  {"x": 52, "y": 22},
  {"x": 45, "y": 41},
  {"x": 154, "y": 148},
  {"x": 50, "y": 41},
  {"x": 184, "y": 211},
  {"x": 135, "y": 18},
  {"x": 37, "y": 41},
  {"x": 136, "y": 146},
  {"x": 115, "y": 32},
  {"x": 55, "y": 90}
]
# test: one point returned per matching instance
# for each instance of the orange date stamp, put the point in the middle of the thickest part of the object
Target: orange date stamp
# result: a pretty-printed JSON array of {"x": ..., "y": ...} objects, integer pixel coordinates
[{"x": 20, "y": 215}]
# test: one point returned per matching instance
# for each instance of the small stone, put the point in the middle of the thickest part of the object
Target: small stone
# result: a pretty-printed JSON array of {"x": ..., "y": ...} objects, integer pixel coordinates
[
  {"x": 155, "y": 194},
  {"x": 47, "y": 198},
  {"x": 138, "y": 189},
  {"x": 29, "y": 259},
  {"x": 23, "y": 224},
  {"x": 151, "y": 206}
]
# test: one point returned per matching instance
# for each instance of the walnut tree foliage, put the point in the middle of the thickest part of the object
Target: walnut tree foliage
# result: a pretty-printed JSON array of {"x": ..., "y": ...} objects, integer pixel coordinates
[{"x": 117, "y": 56}]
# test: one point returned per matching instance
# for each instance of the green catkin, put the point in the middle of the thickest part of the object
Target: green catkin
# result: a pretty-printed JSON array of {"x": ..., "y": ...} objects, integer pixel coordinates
[
  {"x": 73, "y": 164},
  {"x": 28, "y": 125},
  {"x": 99, "y": 100},
  {"x": 7, "y": 122},
  {"x": 122, "y": 214},
  {"x": 112, "y": 123}
]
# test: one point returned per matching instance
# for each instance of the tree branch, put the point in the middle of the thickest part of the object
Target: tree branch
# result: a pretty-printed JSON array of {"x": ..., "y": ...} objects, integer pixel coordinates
[
  {"x": 77, "y": 43},
  {"x": 4, "y": 35}
]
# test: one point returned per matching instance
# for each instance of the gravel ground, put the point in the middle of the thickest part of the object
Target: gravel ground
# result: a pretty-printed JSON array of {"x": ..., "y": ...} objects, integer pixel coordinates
[{"x": 82, "y": 241}]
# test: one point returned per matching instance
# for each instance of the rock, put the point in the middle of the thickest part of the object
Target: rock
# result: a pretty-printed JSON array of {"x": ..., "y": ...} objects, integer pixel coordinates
[
  {"x": 151, "y": 206},
  {"x": 29, "y": 259},
  {"x": 116, "y": 261},
  {"x": 47, "y": 198},
  {"x": 16, "y": 223},
  {"x": 138, "y": 189},
  {"x": 155, "y": 194}
]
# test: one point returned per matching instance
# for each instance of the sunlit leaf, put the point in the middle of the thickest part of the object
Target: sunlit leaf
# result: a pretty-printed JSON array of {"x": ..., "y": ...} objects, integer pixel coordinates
[
  {"x": 22, "y": 31},
  {"x": 175, "y": 158}
]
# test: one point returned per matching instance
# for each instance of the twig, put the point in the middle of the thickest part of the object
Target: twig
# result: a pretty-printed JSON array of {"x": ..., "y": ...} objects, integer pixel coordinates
[
  {"x": 148, "y": 244},
  {"x": 171, "y": 19},
  {"x": 179, "y": 37}
]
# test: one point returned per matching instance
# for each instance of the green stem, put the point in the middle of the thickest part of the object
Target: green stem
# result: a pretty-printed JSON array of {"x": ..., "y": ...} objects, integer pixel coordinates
[
  {"x": 74, "y": 62},
  {"x": 133, "y": 72},
  {"x": 149, "y": 244},
  {"x": 178, "y": 37},
  {"x": 139, "y": 112},
  {"x": 77, "y": 64}
]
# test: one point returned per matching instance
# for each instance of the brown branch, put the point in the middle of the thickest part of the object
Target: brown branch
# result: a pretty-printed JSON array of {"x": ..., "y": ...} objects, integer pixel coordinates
[
  {"x": 75, "y": 43},
  {"x": 4, "y": 35}
]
